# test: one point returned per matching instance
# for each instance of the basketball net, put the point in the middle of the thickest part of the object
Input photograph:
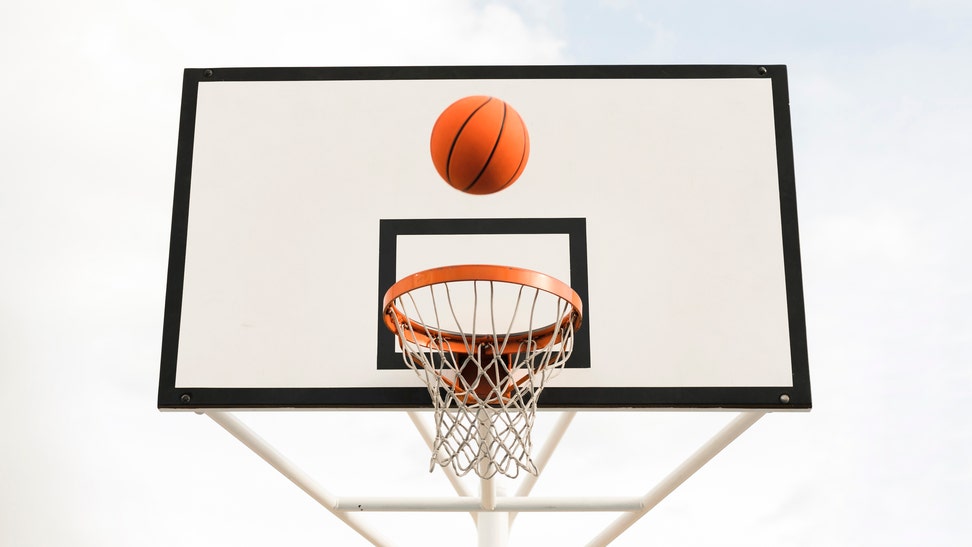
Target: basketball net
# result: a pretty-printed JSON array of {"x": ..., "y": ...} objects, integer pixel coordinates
[{"x": 484, "y": 383}]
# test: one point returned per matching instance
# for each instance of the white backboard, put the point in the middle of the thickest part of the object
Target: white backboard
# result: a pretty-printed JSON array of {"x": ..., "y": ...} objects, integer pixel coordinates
[{"x": 663, "y": 195}]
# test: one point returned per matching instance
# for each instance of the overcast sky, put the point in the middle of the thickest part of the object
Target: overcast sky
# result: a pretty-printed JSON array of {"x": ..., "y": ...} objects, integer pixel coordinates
[{"x": 881, "y": 105}]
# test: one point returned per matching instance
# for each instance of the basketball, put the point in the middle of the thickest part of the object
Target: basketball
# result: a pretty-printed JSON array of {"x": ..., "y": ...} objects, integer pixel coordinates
[{"x": 480, "y": 145}]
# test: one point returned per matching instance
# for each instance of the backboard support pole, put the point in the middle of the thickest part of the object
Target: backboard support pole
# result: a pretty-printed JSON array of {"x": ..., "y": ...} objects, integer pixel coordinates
[
  {"x": 679, "y": 475},
  {"x": 492, "y": 527},
  {"x": 278, "y": 461}
]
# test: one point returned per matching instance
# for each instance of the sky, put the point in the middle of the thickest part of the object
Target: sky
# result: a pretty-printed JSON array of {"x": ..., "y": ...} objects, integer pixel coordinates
[{"x": 89, "y": 107}]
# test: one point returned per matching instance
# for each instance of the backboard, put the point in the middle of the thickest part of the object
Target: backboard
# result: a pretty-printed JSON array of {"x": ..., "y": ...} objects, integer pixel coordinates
[{"x": 663, "y": 195}]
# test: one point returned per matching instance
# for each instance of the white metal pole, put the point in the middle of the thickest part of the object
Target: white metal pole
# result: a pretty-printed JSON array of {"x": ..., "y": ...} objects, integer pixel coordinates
[
  {"x": 706, "y": 452},
  {"x": 254, "y": 442},
  {"x": 488, "y": 494},
  {"x": 492, "y": 528}
]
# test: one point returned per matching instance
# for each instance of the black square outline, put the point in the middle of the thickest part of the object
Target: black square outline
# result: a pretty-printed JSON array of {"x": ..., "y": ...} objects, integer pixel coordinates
[{"x": 390, "y": 229}]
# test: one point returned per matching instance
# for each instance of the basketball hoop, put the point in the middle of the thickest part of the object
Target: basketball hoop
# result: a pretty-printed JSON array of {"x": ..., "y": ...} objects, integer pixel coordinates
[{"x": 485, "y": 340}]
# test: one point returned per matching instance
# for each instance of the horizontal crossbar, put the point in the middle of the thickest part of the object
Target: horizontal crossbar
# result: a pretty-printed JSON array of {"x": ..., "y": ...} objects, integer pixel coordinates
[{"x": 502, "y": 504}]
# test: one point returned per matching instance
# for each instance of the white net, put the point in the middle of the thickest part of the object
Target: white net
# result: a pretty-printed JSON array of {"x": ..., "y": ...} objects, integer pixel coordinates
[{"x": 485, "y": 349}]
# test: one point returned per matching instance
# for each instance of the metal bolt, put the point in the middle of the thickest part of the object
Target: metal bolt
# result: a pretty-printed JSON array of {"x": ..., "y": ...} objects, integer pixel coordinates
[
  {"x": 785, "y": 399},
  {"x": 761, "y": 70},
  {"x": 185, "y": 398},
  {"x": 208, "y": 73}
]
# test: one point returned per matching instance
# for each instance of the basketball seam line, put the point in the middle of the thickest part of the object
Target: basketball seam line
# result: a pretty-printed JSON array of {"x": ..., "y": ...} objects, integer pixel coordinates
[
  {"x": 491, "y": 152},
  {"x": 455, "y": 139},
  {"x": 519, "y": 166}
]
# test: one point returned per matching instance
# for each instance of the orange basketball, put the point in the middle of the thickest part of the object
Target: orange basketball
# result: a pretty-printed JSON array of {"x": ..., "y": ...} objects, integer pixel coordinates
[{"x": 480, "y": 145}]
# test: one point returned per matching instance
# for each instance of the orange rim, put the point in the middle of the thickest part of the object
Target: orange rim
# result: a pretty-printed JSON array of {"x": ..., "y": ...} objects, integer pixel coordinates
[{"x": 479, "y": 272}]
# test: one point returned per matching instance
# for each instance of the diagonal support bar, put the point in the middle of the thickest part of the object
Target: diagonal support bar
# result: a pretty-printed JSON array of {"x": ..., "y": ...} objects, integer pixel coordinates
[
  {"x": 544, "y": 455},
  {"x": 429, "y": 439},
  {"x": 450, "y": 474},
  {"x": 706, "y": 452},
  {"x": 269, "y": 454}
]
